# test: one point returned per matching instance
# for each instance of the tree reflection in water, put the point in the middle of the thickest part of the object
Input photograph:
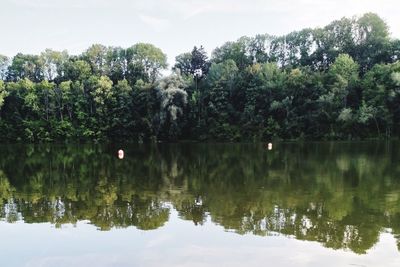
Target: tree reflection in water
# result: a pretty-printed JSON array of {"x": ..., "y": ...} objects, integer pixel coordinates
[{"x": 339, "y": 194}]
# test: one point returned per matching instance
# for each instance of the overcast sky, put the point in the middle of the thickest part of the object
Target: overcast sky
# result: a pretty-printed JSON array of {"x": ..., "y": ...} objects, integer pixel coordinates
[{"x": 30, "y": 26}]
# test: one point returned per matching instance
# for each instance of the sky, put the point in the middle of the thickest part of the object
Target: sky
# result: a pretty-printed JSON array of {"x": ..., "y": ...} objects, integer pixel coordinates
[
  {"x": 178, "y": 243},
  {"x": 31, "y": 26}
]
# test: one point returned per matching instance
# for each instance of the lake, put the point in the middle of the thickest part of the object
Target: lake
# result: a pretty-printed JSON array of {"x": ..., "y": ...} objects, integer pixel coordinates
[{"x": 299, "y": 204}]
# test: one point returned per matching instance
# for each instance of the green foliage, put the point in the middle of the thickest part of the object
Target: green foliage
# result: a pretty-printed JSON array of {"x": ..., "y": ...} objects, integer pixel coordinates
[
  {"x": 173, "y": 101},
  {"x": 146, "y": 59},
  {"x": 188, "y": 63},
  {"x": 345, "y": 67},
  {"x": 3, "y": 93},
  {"x": 25, "y": 66},
  {"x": 341, "y": 81},
  {"x": 53, "y": 63},
  {"x": 96, "y": 57},
  {"x": 235, "y": 51}
]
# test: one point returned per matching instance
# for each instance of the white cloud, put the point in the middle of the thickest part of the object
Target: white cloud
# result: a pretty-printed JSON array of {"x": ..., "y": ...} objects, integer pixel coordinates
[
  {"x": 61, "y": 3},
  {"x": 156, "y": 23}
]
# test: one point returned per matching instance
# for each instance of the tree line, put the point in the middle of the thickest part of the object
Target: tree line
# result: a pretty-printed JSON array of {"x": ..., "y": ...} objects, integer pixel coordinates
[{"x": 341, "y": 81}]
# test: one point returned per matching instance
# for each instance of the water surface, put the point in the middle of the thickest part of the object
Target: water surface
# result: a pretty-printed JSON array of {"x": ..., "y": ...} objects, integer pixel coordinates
[{"x": 308, "y": 204}]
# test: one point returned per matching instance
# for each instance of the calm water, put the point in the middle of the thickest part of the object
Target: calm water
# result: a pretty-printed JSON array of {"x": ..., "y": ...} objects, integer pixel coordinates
[{"x": 312, "y": 204}]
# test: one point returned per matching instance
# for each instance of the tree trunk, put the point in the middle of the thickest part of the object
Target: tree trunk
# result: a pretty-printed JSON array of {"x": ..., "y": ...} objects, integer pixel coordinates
[{"x": 377, "y": 127}]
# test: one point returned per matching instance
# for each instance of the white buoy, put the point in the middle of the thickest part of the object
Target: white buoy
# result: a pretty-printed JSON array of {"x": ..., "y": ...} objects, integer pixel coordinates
[
  {"x": 269, "y": 146},
  {"x": 121, "y": 154}
]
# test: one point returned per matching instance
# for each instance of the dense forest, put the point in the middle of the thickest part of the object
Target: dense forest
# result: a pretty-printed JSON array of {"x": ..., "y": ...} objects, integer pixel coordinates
[{"x": 341, "y": 81}]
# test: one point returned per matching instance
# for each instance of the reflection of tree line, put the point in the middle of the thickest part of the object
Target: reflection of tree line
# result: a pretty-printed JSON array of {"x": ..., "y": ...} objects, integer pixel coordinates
[{"x": 340, "y": 195}]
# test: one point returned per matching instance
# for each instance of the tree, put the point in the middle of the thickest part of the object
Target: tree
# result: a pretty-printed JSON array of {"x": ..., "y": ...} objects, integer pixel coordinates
[
  {"x": 3, "y": 93},
  {"x": 77, "y": 70},
  {"x": 96, "y": 56},
  {"x": 221, "y": 81},
  {"x": 102, "y": 93},
  {"x": 332, "y": 40},
  {"x": 184, "y": 63},
  {"x": 373, "y": 41},
  {"x": 103, "y": 100},
  {"x": 344, "y": 76},
  {"x": 381, "y": 92},
  {"x": 237, "y": 51},
  {"x": 45, "y": 95},
  {"x": 145, "y": 61},
  {"x": 199, "y": 60},
  {"x": 64, "y": 99},
  {"x": 31, "y": 100},
  {"x": 188, "y": 63},
  {"x": 260, "y": 48},
  {"x": 294, "y": 49},
  {"x": 395, "y": 50},
  {"x": 4, "y": 62},
  {"x": 122, "y": 122},
  {"x": 173, "y": 100},
  {"x": 259, "y": 88},
  {"x": 116, "y": 64},
  {"x": 25, "y": 66},
  {"x": 341, "y": 81},
  {"x": 52, "y": 63}
]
